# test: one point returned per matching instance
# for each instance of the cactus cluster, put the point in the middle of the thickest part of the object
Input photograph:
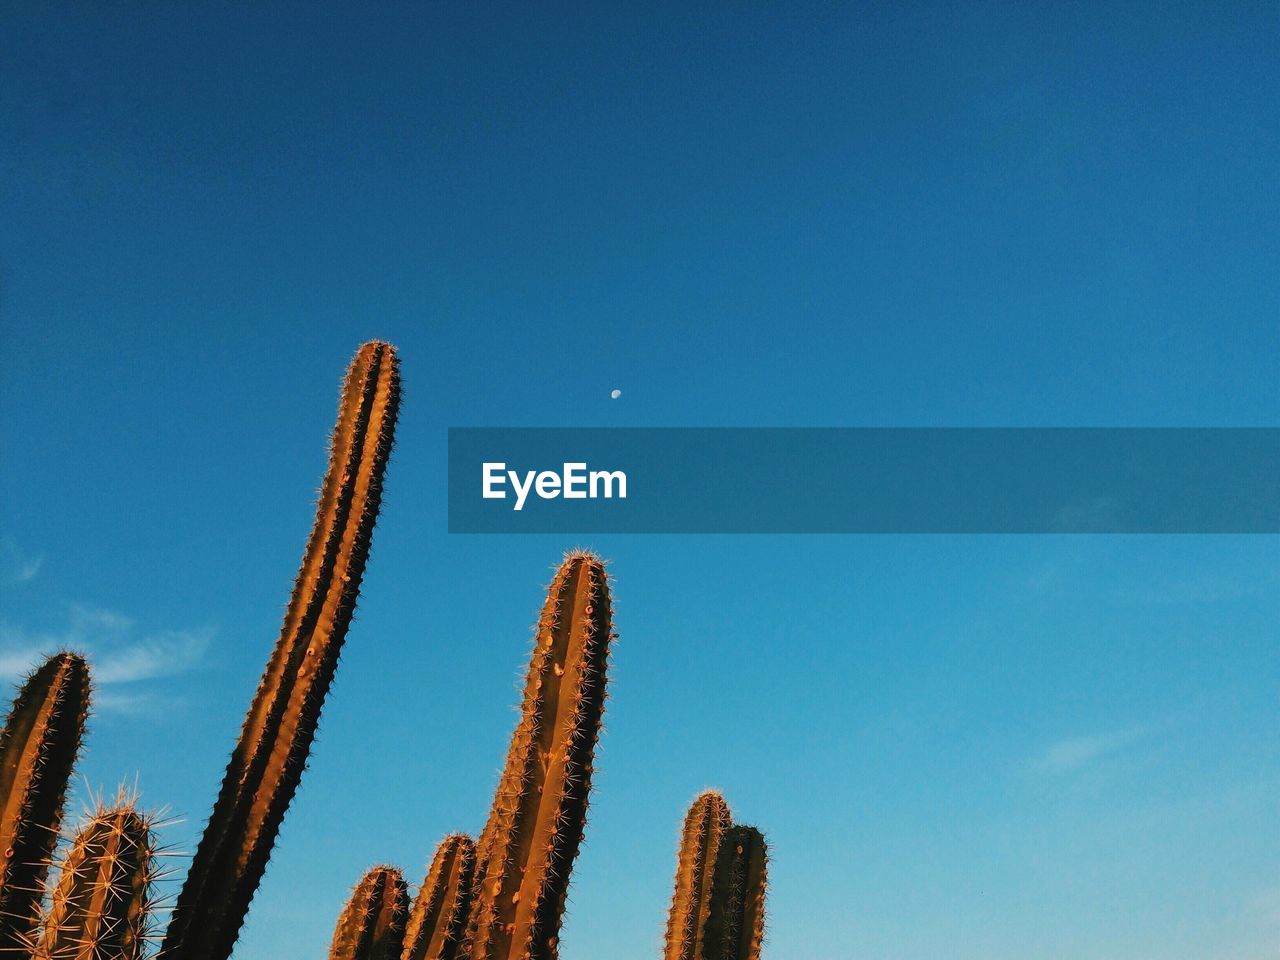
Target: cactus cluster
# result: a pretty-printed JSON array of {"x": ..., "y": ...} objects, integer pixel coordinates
[
  {"x": 503, "y": 896},
  {"x": 99, "y": 908},
  {"x": 717, "y": 911},
  {"x": 500, "y": 897},
  {"x": 524, "y": 856}
]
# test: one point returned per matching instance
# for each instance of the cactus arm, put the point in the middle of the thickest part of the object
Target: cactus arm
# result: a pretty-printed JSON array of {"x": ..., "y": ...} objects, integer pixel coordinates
[
  {"x": 705, "y": 826},
  {"x": 38, "y": 749},
  {"x": 268, "y": 760},
  {"x": 735, "y": 924},
  {"x": 539, "y": 812},
  {"x": 371, "y": 926},
  {"x": 101, "y": 906},
  {"x": 438, "y": 918}
]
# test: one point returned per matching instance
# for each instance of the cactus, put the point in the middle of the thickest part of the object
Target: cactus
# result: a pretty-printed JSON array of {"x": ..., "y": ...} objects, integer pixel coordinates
[
  {"x": 38, "y": 750},
  {"x": 705, "y": 826},
  {"x": 735, "y": 924},
  {"x": 102, "y": 902},
  {"x": 272, "y": 751},
  {"x": 372, "y": 923},
  {"x": 439, "y": 915},
  {"x": 535, "y": 826}
]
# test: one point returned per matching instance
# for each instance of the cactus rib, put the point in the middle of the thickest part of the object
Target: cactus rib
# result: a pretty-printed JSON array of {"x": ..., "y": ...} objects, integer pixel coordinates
[
  {"x": 705, "y": 826},
  {"x": 268, "y": 760},
  {"x": 371, "y": 926},
  {"x": 38, "y": 748},
  {"x": 102, "y": 903},
  {"x": 438, "y": 918},
  {"x": 535, "y": 827}
]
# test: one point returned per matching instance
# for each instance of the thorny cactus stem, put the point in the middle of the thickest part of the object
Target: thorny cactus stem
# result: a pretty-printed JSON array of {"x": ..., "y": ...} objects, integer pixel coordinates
[
  {"x": 705, "y": 826},
  {"x": 371, "y": 926},
  {"x": 269, "y": 758},
  {"x": 535, "y": 827},
  {"x": 438, "y": 918},
  {"x": 102, "y": 904},
  {"x": 735, "y": 925},
  {"x": 38, "y": 750}
]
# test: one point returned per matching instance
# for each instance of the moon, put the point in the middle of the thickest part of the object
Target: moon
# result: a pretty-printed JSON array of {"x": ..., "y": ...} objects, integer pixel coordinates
[{"x": 615, "y": 394}]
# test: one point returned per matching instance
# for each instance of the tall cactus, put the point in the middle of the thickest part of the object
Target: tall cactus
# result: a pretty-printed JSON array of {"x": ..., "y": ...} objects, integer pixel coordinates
[
  {"x": 38, "y": 748},
  {"x": 102, "y": 903},
  {"x": 705, "y": 826},
  {"x": 268, "y": 760},
  {"x": 371, "y": 926},
  {"x": 528, "y": 846},
  {"x": 438, "y": 919},
  {"x": 735, "y": 924}
]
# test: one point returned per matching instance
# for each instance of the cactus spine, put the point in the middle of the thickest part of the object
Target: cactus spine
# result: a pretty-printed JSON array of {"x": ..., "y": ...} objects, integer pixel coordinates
[
  {"x": 102, "y": 903},
  {"x": 372, "y": 923},
  {"x": 528, "y": 846},
  {"x": 439, "y": 915},
  {"x": 705, "y": 826},
  {"x": 269, "y": 758},
  {"x": 38, "y": 748},
  {"x": 735, "y": 924}
]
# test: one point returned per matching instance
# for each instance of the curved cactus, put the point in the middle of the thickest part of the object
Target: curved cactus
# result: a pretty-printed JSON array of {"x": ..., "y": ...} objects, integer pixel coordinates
[
  {"x": 268, "y": 760},
  {"x": 372, "y": 923},
  {"x": 528, "y": 846},
  {"x": 38, "y": 750},
  {"x": 438, "y": 918},
  {"x": 102, "y": 903},
  {"x": 735, "y": 924},
  {"x": 705, "y": 826}
]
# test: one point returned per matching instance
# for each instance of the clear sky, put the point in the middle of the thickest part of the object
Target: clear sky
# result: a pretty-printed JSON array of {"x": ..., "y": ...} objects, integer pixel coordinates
[{"x": 979, "y": 748}]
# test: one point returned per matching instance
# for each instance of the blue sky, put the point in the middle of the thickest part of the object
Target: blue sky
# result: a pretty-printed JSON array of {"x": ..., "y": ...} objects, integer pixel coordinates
[{"x": 907, "y": 214}]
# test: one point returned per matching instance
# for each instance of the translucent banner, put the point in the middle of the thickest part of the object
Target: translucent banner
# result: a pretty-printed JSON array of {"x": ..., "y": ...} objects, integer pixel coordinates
[{"x": 864, "y": 480}]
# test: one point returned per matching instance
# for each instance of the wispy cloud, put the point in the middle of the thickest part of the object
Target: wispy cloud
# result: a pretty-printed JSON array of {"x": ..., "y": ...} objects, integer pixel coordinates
[
  {"x": 16, "y": 566},
  {"x": 122, "y": 658},
  {"x": 160, "y": 655},
  {"x": 133, "y": 703},
  {"x": 1073, "y": 754}
]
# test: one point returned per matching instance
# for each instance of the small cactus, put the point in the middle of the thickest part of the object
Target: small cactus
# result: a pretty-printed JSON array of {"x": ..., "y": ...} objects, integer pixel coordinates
[
  {"x": 527, "y": 848},
  {"x": 438, "y": 918},
  {"x": 372, "y": 923},
  {"x": 705, "y": 826},
  {"x": 735, "y": 923},
  {"x": 38, "y": 748},
  {"x": 268, "y": 761},
  {"x": 102, "y": 903}
]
